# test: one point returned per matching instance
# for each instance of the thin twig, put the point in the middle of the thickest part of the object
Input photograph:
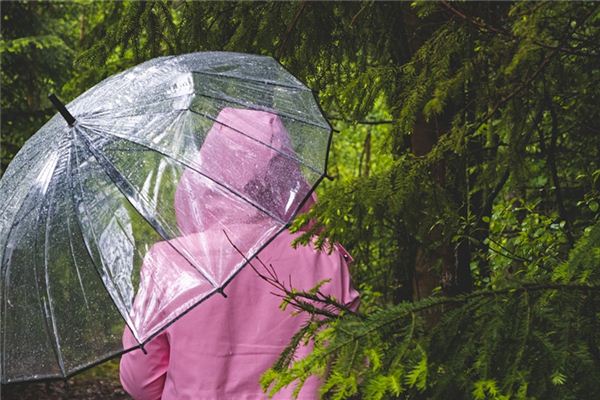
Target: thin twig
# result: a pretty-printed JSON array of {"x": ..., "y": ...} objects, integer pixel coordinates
[
  {"x": 297, "y": 299},
  {"x": 290, "y": 28},
  {"x": 562, "y": 211},
  {"x": 363, "y": 122}
]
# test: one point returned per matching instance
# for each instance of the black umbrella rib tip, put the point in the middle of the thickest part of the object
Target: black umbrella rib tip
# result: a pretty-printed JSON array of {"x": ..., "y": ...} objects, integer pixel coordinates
[{"x": 61, "y": 109}]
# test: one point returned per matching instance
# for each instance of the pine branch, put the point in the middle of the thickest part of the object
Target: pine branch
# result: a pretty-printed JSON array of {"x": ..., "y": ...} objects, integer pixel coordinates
[
  {"x": 402, "y": 310},
  {"x": 500, "y": 184},
  {"x": 483, "y": 26},
  {"x": 297, "y": 299}
]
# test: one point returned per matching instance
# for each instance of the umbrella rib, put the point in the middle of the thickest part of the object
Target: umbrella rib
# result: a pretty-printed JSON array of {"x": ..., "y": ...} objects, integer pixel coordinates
[
  {"x": 286, "y": 155},
  {"x": 118, "y": 116},
  {"x": 266, "y": 82},
  {"x": 94, "y": 115},
  {"x": 118, "y": 179},
  {"x": 43, "y": 304},
  {"x": 57, "y": 351},
  {"x": 100, "y": 113},
  {"x": 90, "y": 125},
  {"x": 72, "y": 251},
  {"x": 5, "y": 269},
  {"x": 82, "y": 231},
  {"x": 26, "y": 178},
  {"x": 260, "y": 108},
  {"x": 195, "y": 92},
  {"x": 289, "y": 156},
  {"x": 187, "y": 165}
]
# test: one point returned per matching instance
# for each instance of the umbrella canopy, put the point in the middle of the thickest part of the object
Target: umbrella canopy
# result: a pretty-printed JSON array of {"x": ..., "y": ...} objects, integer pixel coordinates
[{"x": 163, "y": 164}]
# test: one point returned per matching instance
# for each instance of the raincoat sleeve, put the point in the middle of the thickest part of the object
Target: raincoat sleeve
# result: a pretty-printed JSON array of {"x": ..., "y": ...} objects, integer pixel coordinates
[{"x": 143, "y": 375}]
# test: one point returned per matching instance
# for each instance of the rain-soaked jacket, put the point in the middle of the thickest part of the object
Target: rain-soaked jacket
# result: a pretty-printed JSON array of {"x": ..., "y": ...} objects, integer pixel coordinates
[{"x": 219, "y": 349}]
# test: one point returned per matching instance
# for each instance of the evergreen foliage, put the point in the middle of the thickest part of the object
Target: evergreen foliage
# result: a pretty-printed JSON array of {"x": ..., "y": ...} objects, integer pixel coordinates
[
  {"x": 29, "y": 39},
  {"x": 467, "y": 183}
]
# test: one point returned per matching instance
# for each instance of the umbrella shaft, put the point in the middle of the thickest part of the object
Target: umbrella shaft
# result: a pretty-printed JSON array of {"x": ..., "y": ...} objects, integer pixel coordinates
[{"x": 62, "y": 109}]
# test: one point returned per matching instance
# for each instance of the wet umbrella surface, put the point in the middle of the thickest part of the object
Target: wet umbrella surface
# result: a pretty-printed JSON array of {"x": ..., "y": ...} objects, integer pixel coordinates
[{"x": 172, "y": 159}]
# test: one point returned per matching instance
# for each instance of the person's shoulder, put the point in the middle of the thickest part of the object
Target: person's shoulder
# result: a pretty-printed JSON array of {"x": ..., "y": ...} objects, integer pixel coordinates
[{"x": 283, "y": 244}]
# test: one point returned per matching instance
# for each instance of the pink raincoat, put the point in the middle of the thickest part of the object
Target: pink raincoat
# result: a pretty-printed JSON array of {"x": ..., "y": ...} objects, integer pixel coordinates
[{"x": 219, "y": 349}]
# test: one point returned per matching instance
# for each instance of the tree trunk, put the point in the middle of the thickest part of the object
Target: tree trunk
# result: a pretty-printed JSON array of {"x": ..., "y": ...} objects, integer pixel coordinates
[{"x": 426, "y": 275}]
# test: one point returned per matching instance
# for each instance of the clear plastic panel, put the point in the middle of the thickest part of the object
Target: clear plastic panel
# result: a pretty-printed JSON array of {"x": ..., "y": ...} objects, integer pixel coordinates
[
  {"x": 28, "y": 347},
  {"x": 91, "y": 329}
]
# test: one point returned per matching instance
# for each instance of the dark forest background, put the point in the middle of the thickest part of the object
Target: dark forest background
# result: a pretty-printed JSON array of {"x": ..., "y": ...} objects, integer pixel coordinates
[{"x": 466, "y": 168}]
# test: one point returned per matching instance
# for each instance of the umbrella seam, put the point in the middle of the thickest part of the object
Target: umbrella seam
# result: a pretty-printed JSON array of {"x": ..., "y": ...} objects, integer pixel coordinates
[
  {"x": 43, "y": 311},
  {"x": 260, "y": 108},
  {"x": 316, "y": 100},
  {"x": 72, "y": 252},
  {"x": 90, "y": 125},
  {"x": 99, "y": 113},
  {"x": 158, "y": 228},
  {"x": 5, "y": 271},
  {"x": 301, "y": 87},
  {"x": 289, "y": 156},
  {"x": 85, "y": 241},
  {"x": 187, "y": 165},
  {"x": 46, "y": 199}
]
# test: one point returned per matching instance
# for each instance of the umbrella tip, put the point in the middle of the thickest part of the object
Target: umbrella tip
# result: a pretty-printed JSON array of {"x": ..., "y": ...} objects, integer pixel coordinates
[{"x": 61, "y": 109}]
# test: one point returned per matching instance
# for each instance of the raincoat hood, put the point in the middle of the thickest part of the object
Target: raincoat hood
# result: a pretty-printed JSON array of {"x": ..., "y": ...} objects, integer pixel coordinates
[{"x": 251, "y": 151}]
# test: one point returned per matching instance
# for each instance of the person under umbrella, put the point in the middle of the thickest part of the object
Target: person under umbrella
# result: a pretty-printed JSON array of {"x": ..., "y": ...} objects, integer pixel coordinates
[
  {"x": 90, "y": 199},
  {"x": 219, "y": 350}
]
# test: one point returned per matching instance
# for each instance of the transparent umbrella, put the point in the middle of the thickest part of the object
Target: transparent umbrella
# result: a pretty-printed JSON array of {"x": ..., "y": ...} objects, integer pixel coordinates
[{"x": 167, "y": 163}]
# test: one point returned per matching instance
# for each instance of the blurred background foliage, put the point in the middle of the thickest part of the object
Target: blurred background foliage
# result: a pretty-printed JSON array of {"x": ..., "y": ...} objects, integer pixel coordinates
[{"x": 466, "y": 169}]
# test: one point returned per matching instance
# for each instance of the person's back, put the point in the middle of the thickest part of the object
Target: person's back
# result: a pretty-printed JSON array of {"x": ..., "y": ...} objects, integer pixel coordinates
[
  {"x": 246, "y": 181},
  {"x": 220, "y": 348}
]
